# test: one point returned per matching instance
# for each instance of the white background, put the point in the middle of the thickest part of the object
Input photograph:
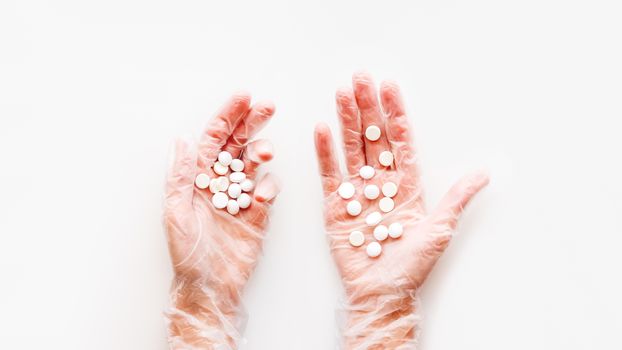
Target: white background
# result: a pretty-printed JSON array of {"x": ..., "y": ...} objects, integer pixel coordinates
[{"x": 93, "y": 93}]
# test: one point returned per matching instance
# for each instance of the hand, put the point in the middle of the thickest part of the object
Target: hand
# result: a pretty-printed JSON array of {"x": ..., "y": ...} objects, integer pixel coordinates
[
  {"x": 381, "y": 291},
  {"x": 213, "y": 252}
]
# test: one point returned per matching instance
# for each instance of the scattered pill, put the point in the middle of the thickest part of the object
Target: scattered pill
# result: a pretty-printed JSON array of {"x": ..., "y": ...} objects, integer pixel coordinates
[
  {"x": 220, "y": 200},
  {"x": 233, "y": 207},
  {"x": 202, "y": 181},
  {"x": 374, "y": 249},
  {"x": 367, "y": 172},
  {"x": 235, "y": 190},
  {"x": 220, "y": 169},
  {"x": 386, "y": 204},
  {"x": 381, "y": 232},
  {"x": 373, "y": 219},
  {"x": 223, "y": 183},
  {"x": 389, "y": 189},
  {"x": 354, "y": 208},
  {"x": 237, "y": 165},
  {"x": 372, "y": 133},
  {"x": 213, "y": 185},
  {"x": 244, "y": 201},
  {"x": 386, "y": 158},
  {"x": 396, "y": 230},
  {"x": 237, "y": 176},
  {"x": 357, "y": 238},
  {"x": 247, "y": 185},
  {"x": 371, "y": 191},
  {"x": 225, "y": 158},
  {"x": 346, "y": 190}
]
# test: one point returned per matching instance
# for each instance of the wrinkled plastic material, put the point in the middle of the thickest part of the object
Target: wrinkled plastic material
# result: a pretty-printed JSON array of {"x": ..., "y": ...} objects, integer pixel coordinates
[
  {"x": 381, "y": 306},
  {"x": 213, "y": 253}
]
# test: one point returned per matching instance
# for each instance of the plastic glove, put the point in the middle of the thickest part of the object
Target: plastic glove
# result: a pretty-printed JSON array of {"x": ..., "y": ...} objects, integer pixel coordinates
[
  {"x": 381, "y": 292},
  {"x": 213, "y": 252}
]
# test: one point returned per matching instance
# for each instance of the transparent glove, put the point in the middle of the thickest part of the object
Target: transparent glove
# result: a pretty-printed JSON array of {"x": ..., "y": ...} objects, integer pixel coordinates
[
  {"x": 382, "y": 292},
  {"x": 213, "y": 252}
]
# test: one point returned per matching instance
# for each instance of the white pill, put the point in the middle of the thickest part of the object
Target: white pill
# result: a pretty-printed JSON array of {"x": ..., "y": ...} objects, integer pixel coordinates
[
  {"x": 237, "y": 165},
  {"x": 373, "y": 219},
  {"x": 372, "y": 133},
  {"x": 220, "y": 169},
  {"x": 220, "y": 200},
  {"x": 367, "y": 172},
  {"x": 213, "y": 185},
  {"x": 225, "y": 158},
  {"x": 374, "y": 249},
  {"x": 354, "y": 208},
  {"x": 396, "y": 230},
  {"x": 381, "y": 232},
  {"x": 237, "y": 176},
  {"x": 202, "y": 181},
  {"x": 371, "y": 191},
  {"x": 247, "y": 185},
  {"x": 244, "y": 200},
  {"x": 233, "y": 207},
  {"x": 389, "y": 189},
  {"x": 357, "y": 238},
  {"x": 223, "y": 183},
  {"x": 346, "y": 190},
  {"x": 386, "y": 204},
  {"x": 386, "y": 158},
  {"x": 234, "y": 190}
]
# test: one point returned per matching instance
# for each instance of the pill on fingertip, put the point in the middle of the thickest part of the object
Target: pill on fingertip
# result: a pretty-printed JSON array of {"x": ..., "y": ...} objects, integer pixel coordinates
[
  {"x": 371, "y": 191},
  {"x": 373, "y": 219},
  {"x": 386, "y": 158},
  {"x": 244, "y": 201},
  {"x": 202, "y": 181},
  {"x": 372, "y": 133},
  {"x": 237, "y": 165},
  {"x": 389, "y": 189},
  {"x": 374, "y": 249},
  {"x": 223, "y": 183},
  {"x": 346, "y": 190},
  {"x": 220, "y": 169},
  {"x": 233, "y": 207},
  {"x": 220, "y": 200},
  {"x": 381, "y": 232},
  {"x": 354, "y": 208},
  {"x": 225, "y": 158},
  {"x": 386, "y": 204},
  {"x": 234, "y": 190},
  {"x": 396, "y": 230},
  {"x": 356, "y": 238},
  {"x": 237, "y": 176},
  {"x": 213, "y": 185},
  {"x": 367, "y": 172},
  {"x": 247, "y": 185}
]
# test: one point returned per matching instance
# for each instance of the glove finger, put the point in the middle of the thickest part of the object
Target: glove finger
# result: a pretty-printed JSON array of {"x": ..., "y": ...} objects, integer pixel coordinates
[
  {"x": 251, "y": 124},
  {"x": 351, "y": 130},
  {"x": 256, "y": 153},
  {"x": 327, "y": 160}
]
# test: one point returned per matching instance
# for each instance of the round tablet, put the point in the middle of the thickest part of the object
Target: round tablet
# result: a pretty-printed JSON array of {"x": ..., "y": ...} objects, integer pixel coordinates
[
  {"x": 386, "y": 158},
  {"x": 367, "y": 172},
  {"x": 220, "y": 200},
  {"x": 374, "y": 249},
  {"x": 223, "y": 183},
  {"x": 373, "y": 219},
  {"x": 354, "y": 208},
  {"x": 357, "y": 238},
  {"x": 220, "y": 169},
  {"x": 225, "y": 158},
  {"x": 381, "y": 232},
  {"x": 389, "y": 189},
  {"x": 372, "y": 133},
  {"x": 396, "y": 230},
  {"x": 233, "y": 207},
  {"x": 237, "y": 176},
  {"x": 202, "y": 181},
  {"x": 244, "y": 201},
  {"x": 234, "y": 190},
  {"x": 346, "y": 190},
  {"x": 371, "y": 191},
  {"x": 386, "y": 204},
  {"x": 213, "y": 185},
  {"x": 237, "y": 165},
  {"x": 247, "y": 185}
]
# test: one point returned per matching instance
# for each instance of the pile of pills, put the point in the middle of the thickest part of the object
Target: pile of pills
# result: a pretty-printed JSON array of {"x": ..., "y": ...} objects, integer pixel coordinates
[
  {"x": 372, "y": 192},
  {"x": 231, "y": 187}
]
